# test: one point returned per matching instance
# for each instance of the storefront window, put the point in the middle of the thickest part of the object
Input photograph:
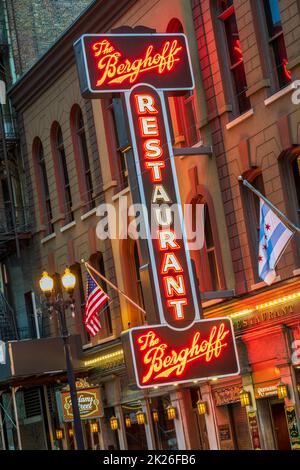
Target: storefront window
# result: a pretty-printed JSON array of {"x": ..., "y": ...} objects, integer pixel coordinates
[{"x": 164, "y": 429}]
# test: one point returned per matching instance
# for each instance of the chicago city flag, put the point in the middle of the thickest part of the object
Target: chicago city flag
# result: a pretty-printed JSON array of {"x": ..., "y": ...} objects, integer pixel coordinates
[
  {"x": 96, "y": 297},
  {"x": 274, "y": 235}
]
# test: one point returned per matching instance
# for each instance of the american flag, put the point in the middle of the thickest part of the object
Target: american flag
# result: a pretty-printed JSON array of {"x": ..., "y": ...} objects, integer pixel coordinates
[{"x": 96, "y": 297}]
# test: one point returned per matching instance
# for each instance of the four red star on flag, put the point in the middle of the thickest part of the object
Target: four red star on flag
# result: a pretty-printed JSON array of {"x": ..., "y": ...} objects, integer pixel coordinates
[
  {"x": 268, "y": 226},
  {"x": 260, "y": 258}
]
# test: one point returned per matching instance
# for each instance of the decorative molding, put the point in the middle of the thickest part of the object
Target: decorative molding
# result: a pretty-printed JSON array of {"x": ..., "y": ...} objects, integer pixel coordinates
[
  {"x": 279, "y": 94},
  {"x": 48, "y": 238},
  {"x": 68, "y": 226},
  {"x": 239, "y": 119},
  {"x": 88, "y": 214}
]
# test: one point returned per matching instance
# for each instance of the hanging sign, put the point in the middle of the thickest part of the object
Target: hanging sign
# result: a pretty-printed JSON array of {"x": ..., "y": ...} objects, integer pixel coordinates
[
  {"x": 116, "y": 62},
  {"x": 144, "y": 66},
  {"x": 162, "y": 355},
  {"x": 89, "y": 401}
]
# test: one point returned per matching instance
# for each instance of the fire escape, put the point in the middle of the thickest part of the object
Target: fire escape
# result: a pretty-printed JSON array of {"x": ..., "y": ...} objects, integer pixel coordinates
[{"x": 14, "y": 221}]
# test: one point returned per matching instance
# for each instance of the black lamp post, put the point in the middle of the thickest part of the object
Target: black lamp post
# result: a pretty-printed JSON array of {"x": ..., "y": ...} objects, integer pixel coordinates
[{"x": 58, "y": 304}]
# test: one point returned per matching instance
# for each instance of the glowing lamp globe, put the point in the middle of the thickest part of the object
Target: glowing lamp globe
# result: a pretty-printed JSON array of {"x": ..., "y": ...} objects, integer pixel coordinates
[
  {"x": 68, "y": 280},
  {"x": 46, "y": 283}
]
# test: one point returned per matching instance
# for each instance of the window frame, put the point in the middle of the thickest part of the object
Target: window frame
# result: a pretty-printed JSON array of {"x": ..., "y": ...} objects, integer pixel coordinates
[
  {"x": 228, "y": 68},
  {"x": 64, "y": 174},
  {"x": 42, "y": 182},
  {"x": 84, "y": 159}
]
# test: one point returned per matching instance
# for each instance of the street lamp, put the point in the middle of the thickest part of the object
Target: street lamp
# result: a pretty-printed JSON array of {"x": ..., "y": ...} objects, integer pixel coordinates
[{"x": 56, "y": 302}]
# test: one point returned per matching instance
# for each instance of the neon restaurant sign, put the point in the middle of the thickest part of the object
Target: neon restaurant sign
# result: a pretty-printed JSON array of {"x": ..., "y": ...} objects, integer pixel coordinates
[{"x": 182, "y": 347}]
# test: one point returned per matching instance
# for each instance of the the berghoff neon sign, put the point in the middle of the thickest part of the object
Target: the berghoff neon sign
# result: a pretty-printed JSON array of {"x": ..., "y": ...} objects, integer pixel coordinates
[
  {"x": 113, "y": 68},
  {"x": 182, "y": 347}
]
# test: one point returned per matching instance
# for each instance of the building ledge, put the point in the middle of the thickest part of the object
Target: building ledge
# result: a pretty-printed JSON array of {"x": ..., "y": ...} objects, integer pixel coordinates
[
  {"x": 279, "y": 94},
  {"x": 239, "y": 119},
  {"x": 89, "y": 214},
  {"x": 68, "y": 226},
  {"x": 48, "y": 238},
  {"x": 121, "y": 193}
]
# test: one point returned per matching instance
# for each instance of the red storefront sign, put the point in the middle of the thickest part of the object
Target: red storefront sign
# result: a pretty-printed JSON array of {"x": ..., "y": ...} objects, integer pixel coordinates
[
  {"x": 115, "y": 62},
  {"x": 163, "y": 355}
]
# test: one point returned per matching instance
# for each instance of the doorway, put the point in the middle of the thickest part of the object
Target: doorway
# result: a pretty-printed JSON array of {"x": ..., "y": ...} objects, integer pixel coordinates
[{"x": 281, "y": 432}]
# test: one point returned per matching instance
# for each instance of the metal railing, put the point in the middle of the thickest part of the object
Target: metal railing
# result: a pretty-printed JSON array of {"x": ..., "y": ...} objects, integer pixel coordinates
[
  {"x": 10, "y": 126},
  {"x": 8, "y": 327},
  {"x": 23, "y": 221}
]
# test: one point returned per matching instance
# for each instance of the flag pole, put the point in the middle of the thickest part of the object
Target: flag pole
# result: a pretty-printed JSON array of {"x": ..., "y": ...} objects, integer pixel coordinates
[
  {"x": 90, "y": 268},
  {"x": 259, "y": 194}
]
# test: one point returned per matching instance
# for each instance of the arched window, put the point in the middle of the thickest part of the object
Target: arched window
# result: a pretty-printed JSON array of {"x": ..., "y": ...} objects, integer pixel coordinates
[
  {"x": 118, "y": 139},
  {"x": 63, "y": 174},
  {"x": 230, "y": 47},
  {"x": 85, "y": 169},
  {"x": 185, "y": 128},
  {"x": 289, "y": 162},
  {"x": 42, "y": 185},
  {"x": 207, "y": 260},
  {"x": 279, "y": 61},
  {"x": 251, "y": 204}
]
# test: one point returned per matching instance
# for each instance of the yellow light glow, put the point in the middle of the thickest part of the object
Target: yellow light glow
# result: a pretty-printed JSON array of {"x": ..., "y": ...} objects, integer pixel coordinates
[
  {"x": 270, "y": 303},
  {"x": 68, "y": 280},
  {"x": 59, "y": 434},
  {"x": 94, "y": 427},
  {"x": 245, "y": 397},
  {"x": 155, "y": 416},
  {"x": 128, "y": 422},
  {"x": 201, "y": 407},
  {"x": 171, "y": 412},
  {"x": 140, "y": 417},
  {"x": 282, "y": 390},
  {"x": 46, "y": 283},
  {"x": 98, "y": 359},
  {"x": 114, "y": 425}
]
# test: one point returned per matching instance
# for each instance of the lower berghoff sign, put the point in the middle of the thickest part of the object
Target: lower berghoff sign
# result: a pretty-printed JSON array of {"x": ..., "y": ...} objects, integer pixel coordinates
[{"x": 163, "y": 356}]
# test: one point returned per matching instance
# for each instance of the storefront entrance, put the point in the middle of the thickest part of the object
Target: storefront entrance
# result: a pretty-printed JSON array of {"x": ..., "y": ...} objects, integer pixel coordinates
[{"x": 281, "y": 433}]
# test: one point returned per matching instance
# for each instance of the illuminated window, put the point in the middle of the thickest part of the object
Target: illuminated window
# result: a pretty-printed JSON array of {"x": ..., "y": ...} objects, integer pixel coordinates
[
  {"x": 230, "y": 36},
  {"x": 84, "y": 160},
  {"x": 209, "y": 268},
  {"x": 183, "y": 105},
  {"x": 64, "y": 176},
  {"x": 276, "y": 42},
  {"x": 43, "y": 186}
]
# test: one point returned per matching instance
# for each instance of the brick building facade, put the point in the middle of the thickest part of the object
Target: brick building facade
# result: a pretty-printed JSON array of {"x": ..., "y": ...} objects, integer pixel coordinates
[{"x": 239, "y": 121}]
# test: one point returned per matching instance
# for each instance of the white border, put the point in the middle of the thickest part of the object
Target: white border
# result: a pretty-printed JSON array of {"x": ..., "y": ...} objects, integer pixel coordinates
[
  {"x": 122, "y": 90},
  {"x": 155, "y": 327}
]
